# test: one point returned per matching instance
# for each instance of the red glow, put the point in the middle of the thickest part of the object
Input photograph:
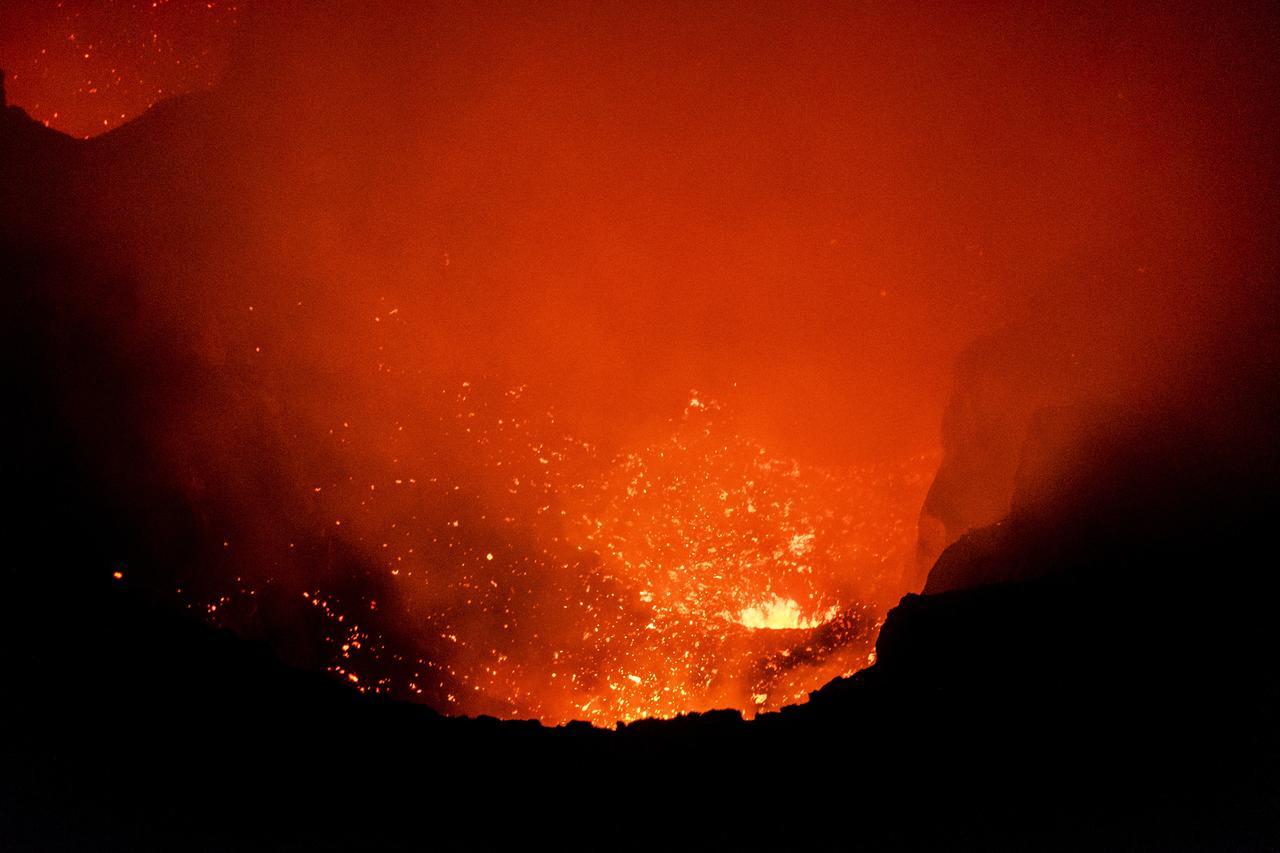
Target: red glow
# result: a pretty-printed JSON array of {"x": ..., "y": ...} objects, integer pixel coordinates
[
  {"x": 87, "y": 66},
  {"x": 422, "y": 295}
]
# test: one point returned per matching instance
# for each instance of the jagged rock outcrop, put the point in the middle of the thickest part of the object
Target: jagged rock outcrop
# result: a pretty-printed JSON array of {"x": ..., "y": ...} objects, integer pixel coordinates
[{"x": 999, "y": 383}]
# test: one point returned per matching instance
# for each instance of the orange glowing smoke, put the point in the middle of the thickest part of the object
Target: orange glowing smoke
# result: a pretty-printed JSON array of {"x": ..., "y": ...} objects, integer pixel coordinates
[{"x": 350, "y": 253}]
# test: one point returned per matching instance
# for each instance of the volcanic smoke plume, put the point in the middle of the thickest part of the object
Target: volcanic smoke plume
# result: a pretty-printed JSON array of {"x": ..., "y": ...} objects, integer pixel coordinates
[{"x": 569, "y": 362}]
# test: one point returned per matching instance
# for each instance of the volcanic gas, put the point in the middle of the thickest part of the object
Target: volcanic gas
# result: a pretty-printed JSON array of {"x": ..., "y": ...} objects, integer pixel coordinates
[{"x": 587, "y": 362}]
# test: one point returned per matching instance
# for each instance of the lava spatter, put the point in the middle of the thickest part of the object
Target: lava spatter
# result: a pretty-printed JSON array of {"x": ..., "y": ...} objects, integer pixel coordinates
[{"x": 550, "y": 580}]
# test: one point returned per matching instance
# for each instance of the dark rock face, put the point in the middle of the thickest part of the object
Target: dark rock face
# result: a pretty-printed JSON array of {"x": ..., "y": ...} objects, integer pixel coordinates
[
  {"x": 1000, "y": 381},
  {"x": 1049, "y": 485},
  {"x": 978, "y": 558}
]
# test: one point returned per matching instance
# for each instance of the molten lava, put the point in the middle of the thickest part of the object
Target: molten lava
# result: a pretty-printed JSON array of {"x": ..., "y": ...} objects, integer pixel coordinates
[{"x": 549, "y": 580}]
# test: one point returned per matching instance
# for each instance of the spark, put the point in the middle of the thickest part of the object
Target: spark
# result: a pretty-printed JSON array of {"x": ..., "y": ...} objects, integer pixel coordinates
[{"x": 697, "y": 570}]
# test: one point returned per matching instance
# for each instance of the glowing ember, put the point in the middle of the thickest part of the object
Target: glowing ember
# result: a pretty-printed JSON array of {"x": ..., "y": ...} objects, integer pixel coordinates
[{"x": 515, "y": 570}]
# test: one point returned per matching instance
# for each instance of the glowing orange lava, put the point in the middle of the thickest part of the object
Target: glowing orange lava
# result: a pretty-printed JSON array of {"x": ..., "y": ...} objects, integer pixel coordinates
[{"x": 544, "y": 580}]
